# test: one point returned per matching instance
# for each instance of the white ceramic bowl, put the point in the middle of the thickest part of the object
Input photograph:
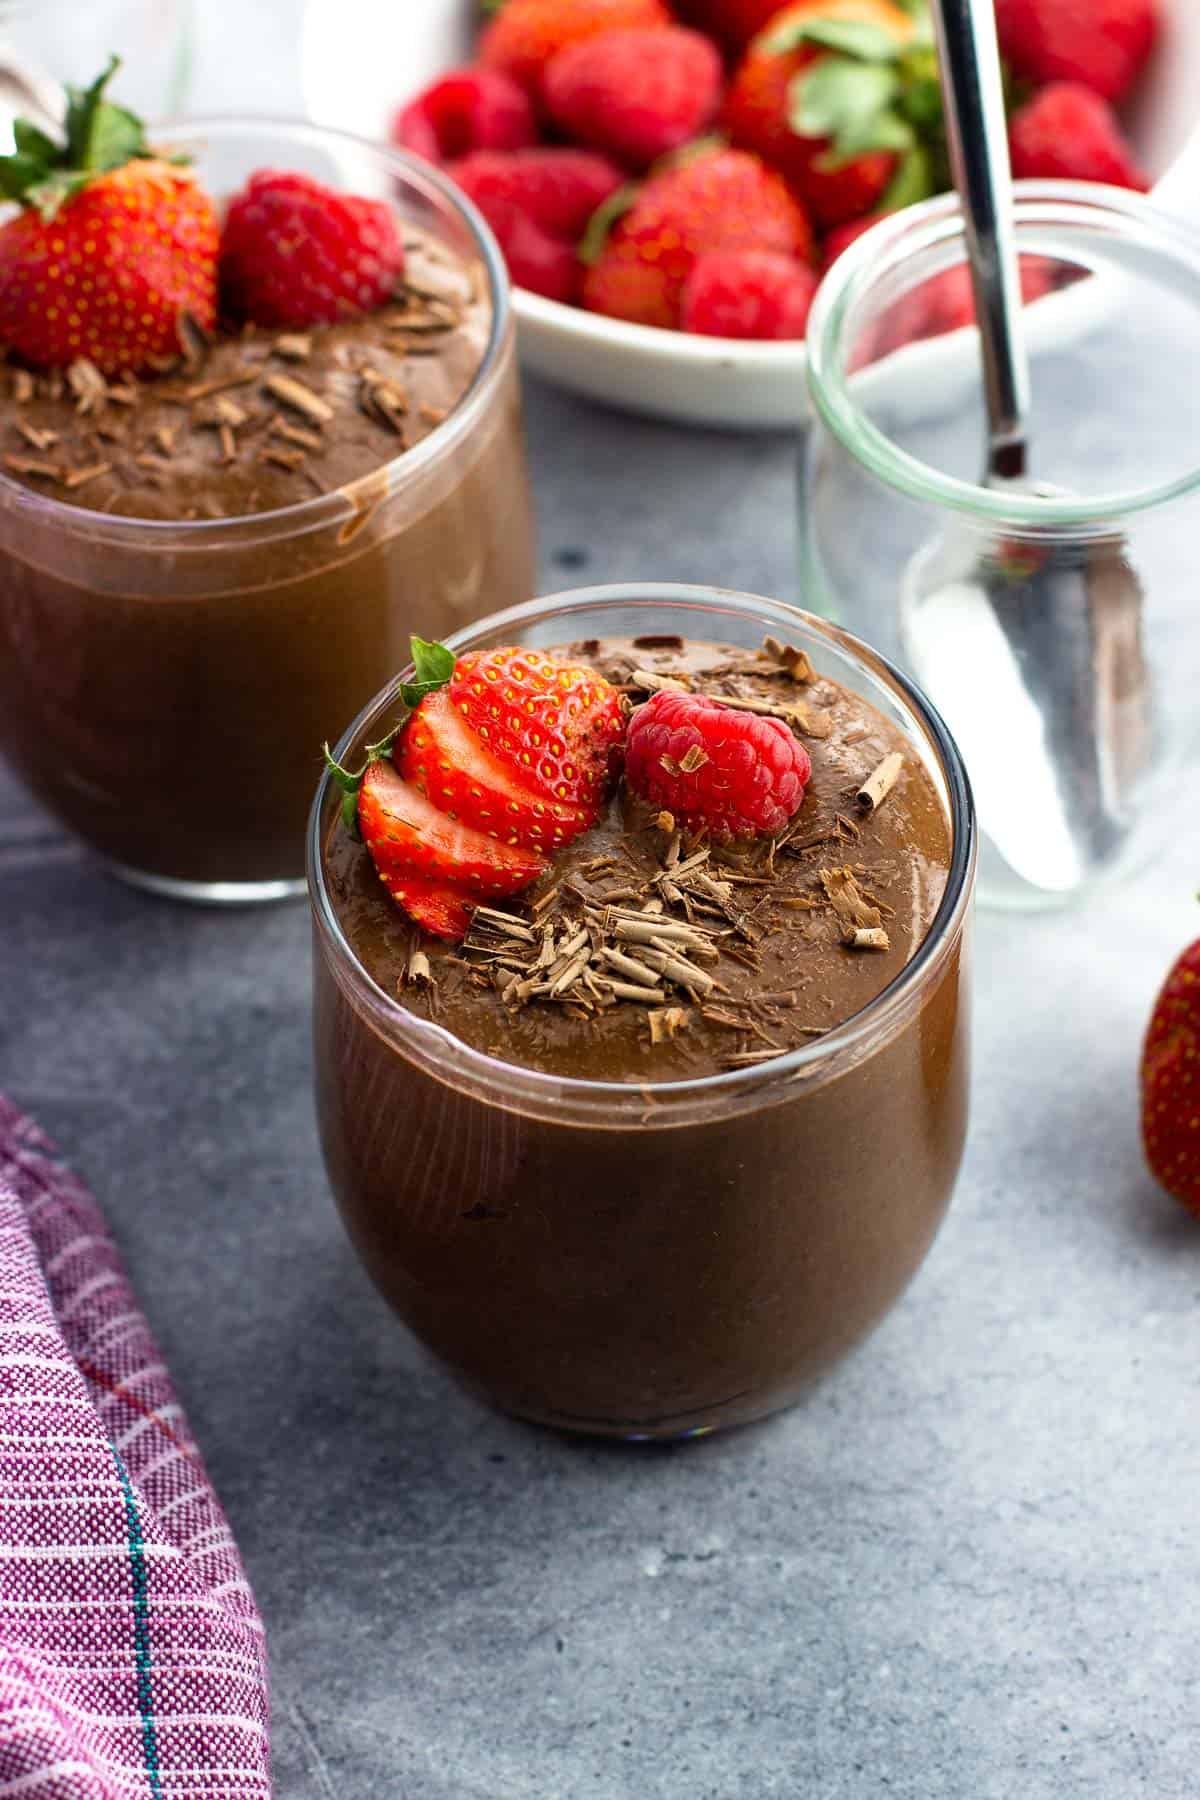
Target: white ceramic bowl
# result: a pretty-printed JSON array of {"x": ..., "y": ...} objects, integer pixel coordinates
[{"x": 695, "y": 380}]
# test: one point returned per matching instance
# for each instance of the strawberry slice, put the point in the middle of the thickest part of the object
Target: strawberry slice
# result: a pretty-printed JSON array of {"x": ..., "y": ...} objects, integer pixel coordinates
[
  {"x": 408, "y": 836},
  {"x": 448, "y": 762},
  {"x": 439, "y": 908}
]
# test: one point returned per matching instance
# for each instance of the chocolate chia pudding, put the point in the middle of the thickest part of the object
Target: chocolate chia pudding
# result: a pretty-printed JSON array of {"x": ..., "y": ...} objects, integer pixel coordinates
[
  {"x": 202, "y": 567},
  {"x": 670, "y": 1131}
]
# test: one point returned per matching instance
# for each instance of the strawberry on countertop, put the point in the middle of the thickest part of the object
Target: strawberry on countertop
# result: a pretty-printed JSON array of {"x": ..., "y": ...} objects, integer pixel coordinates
[
  {"x": 1170, "y": 1083},
  {"x": 111, "y": 245},
  {"x": 504, "y": 756}
]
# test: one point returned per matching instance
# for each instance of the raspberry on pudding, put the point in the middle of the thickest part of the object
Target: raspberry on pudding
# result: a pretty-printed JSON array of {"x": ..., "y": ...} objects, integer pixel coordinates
[
  {"x": 641, "y": 1121},
  {"x": 237, "y": 455}
]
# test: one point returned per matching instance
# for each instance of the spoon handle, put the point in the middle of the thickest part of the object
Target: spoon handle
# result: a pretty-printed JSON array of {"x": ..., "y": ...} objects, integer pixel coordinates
[{"x": 973, "y": 95}]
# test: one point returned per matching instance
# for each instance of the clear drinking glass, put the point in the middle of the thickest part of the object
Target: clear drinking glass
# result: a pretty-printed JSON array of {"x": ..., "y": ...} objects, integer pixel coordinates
[
  {"x": 165, "y": 687},
  {"x": 1072, "y": 695},
  {"x": 45, "y": 43},
  {"x": 650, "y": 1259}
]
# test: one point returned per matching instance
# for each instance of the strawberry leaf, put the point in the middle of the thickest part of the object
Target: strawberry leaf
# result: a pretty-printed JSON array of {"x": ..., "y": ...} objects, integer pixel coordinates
[
  {"x": 852, "y": 105},
  {"x": 911, "y": 182},
  {"x": 856, "y": 38},
  {"x": 433, "y": 665},
  {"x": 596, "y": 231},
  {"x": 99, "y": 136}
]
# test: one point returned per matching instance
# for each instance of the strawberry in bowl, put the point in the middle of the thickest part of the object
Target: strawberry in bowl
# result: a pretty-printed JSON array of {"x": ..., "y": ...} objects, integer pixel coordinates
[{"x": 839, "y": 98}]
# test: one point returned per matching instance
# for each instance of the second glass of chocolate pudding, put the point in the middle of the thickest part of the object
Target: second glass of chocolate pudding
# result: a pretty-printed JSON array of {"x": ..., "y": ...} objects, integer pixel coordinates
[
  {"x": 202, "y": 571},
  {"x": 652, "y": 1220}
]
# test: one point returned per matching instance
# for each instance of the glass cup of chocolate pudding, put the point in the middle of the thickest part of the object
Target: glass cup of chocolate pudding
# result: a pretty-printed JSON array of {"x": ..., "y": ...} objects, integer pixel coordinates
[
  {"x": 669, "y": 1133},
  {"x": 201, "y": 569}
]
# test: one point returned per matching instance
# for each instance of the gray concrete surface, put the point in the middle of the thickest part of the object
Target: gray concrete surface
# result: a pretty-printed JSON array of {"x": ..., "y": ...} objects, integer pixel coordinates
[{"x": 967, "y": 1569}]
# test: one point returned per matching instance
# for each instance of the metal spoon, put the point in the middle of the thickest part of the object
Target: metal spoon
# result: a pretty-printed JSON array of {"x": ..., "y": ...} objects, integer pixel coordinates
[{"x": 1030, "y": 648}]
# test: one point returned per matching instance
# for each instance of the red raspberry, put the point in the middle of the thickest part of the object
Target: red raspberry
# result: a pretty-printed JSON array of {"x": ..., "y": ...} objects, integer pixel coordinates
[
  {"x": 734, "y": 773},
  {"x": 468, "y": 109},
  {"x": 747, "y": 294},
  {"x": 635, "y": 94},
  {"x": 296, "y": 253},
  {"x": 1068, "y": 133}
]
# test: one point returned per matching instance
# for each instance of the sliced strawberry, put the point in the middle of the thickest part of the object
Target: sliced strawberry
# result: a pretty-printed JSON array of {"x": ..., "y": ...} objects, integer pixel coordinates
[
  {"x": 437, "y": 907},
  {"x": 445, "y": 759},
  {"x": 407, "y": 835}
]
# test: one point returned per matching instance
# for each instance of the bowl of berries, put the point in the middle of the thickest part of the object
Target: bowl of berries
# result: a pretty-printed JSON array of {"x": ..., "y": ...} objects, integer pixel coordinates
[{"x": 668, "y": 179}]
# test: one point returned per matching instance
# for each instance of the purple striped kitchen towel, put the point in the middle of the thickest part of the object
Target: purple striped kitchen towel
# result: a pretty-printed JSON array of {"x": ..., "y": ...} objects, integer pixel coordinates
[{"x": 132, "y": 1660}]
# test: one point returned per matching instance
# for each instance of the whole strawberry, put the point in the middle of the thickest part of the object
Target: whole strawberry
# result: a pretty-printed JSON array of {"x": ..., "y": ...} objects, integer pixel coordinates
[
  {"x": 1104, "y": 44},
  {"x": 635, "y": 94},
  {"x": 297, "y": 253},
  {"x": 465, "y": 110},
  {"x": 525, "y": 34},
  {"x": 732, "y": 22},
  {"x": 732, "y": 774},
  {"x": 1170, "y": 1083},
  {"x": 538, "y": 203},
  {"x": 505, "y": 756},
  {"x": 747, "y": 294},
  {"x": 719, "y": 200},
  {"x": 840, "y": 96},
  {"x": 110, "y": 246},
  {"x": 1068, "y": 133}
]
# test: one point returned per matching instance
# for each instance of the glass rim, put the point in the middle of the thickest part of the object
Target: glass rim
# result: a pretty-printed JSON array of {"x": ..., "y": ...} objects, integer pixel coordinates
[
  {"x": 405, "y": 467},
  {"x": 916, "y": 231},
  {"x": 515, "y": 1082}
]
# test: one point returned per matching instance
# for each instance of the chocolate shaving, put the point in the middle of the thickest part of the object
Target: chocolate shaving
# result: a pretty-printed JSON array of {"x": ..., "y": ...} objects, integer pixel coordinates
[
  {"x": 296, "y": 434},
  {"x": 880, "y": 782},
  {"x": 869, "y": 937},
  {"x": 87, "y": 384},
  {"x": 791, "y": 658},
  {"x": 194, "y": 342},
  {"x": 32, "y": 465},
  {"x": 655, "y": 684},
  {"x": 228, "y": 444},
  {"x": 433, "y": 415},
  {"x": 293, "y": 346},
  {"x": 382, "y": 399},
  {"x": 290, "y": 392},
  {"x": 74, "y": 478},
  {"x": 665, "y": 1024},
  {"x": 164, "y": 437},
  {"x": 201, "y": 390},
  {"x": 43, "y": 439},
  {"x": 283, "y": 459},
  {"x": 23, "y": 387},
  {"x": 854, "y": 911}
]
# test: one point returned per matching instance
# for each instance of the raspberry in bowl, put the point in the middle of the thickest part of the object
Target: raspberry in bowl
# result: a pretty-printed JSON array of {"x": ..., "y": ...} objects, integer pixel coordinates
[
  {"x": 224, "y": 510},
  {"x": 641, "y": 1001}
]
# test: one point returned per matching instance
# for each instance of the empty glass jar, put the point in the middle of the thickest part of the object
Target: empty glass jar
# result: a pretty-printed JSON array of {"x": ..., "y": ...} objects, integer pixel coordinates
[{"x": 1056, "y": 629}]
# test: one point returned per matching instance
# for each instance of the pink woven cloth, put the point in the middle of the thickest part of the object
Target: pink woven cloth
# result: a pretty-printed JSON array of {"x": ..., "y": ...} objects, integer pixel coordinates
[{"x": 132, "y": 1660}]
